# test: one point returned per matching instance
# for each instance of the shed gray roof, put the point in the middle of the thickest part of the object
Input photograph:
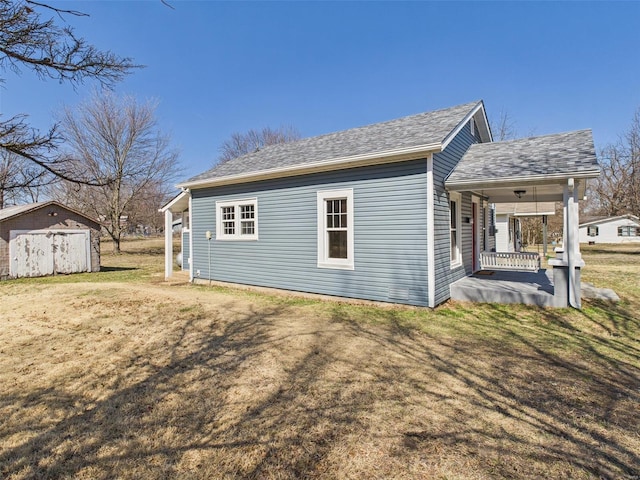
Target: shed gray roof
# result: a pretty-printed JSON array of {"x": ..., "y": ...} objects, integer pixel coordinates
[
  {"x": 15, "y": 210},
  {"x": 413, "y": 131},
  {"x": 559, "y": 155}
]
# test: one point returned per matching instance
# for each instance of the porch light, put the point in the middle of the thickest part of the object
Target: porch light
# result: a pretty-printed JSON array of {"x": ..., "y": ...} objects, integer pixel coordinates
[{"x": 519, "y": 193}]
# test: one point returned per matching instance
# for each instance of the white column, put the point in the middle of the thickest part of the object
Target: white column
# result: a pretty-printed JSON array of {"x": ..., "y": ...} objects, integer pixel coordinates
[
  {"x": 191, "y": 230},
  {"x": 565, "y": 203},
  {"x": 168, "y": 244},
  {"x": 572, "y": 244},
  {"x": 431, "y": 251}
]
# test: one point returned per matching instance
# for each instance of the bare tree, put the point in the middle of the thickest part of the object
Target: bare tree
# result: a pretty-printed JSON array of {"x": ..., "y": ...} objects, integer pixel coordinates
[
  {"x": 32, "y": 41},
  {"x": 504, "y": 128},
  {"x": 144, "y": 211},
  {"x": 116, "y": 139},
  {"x": 20, "y": 180},
  {"x": 617, "y": 190},
  {"x": 240, "y": 144}
]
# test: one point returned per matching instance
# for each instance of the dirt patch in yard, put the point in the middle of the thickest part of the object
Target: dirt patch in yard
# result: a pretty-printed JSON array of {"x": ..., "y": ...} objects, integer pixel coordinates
[{"x": 153, "y": 380}]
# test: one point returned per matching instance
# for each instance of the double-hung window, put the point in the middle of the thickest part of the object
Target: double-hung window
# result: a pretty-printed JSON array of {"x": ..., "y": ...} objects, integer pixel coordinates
[
  {"x": 454, "y": 228},
  {"x": 335, "y": 229},
  {"x": 237, "y": 219}
]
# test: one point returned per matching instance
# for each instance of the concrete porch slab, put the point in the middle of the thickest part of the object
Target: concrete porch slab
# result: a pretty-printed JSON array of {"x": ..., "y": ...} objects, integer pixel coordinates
[{"x": 506, "y": 287}]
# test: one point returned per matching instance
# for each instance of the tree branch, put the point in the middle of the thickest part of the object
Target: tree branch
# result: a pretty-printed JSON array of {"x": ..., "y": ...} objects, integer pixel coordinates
[{"x": 59, "y": 11}]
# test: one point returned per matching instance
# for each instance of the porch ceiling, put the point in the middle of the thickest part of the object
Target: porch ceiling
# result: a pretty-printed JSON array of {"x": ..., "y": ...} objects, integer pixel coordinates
[
  {"x": 534, "y": 193},
  {"x": 539, "y": 166},
  {"x": 177, "y": 204},
  {"x": 526, "y": 209}
]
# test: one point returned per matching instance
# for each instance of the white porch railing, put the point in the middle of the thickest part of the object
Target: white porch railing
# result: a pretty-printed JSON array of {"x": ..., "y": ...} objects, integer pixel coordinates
[{"x": 515, "y": 261}]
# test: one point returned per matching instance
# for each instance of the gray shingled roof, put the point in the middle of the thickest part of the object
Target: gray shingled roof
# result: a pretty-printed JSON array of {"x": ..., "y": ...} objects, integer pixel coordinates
[
  {"x": 14, "y": 210},
  {"x": 412, "y": 131},
  {"x": 563, "y": 154}
]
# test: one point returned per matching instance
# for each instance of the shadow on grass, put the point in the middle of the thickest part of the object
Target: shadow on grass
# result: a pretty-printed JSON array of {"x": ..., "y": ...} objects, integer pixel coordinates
[
  {"x": 286, "y": 431},
  {"x": 532, "y": 402},
  {"x": 561, "y": 400},
  {"x": 151, "y": 250},
  {"x": 117, "y": 269},
  {"x": 613, "y": 251}
]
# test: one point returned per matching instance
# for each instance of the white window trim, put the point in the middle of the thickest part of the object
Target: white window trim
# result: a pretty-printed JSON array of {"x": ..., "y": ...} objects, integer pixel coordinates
[
  {"x": 187, "y": 214},
  {"x": 323, "y": 245},
  {"x": 237, "y": 236},
  {"x": 456, "y": 197}
]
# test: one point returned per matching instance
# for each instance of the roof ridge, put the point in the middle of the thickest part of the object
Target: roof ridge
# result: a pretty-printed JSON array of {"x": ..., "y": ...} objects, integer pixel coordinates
[
  {"x": 424, "y": 128},
  {"x": 535, "y": 137}
]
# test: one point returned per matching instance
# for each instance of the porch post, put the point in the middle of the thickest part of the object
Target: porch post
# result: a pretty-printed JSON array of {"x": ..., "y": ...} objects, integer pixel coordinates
[
  {"x": 566, "y": 270},
  {"x": 544, "y": 235},
  {"x": 431, "y": 255},
  {"x": 168, "y": 244},
  {"x": 571, "y": 255},
  {"x": 191, "y": 229},
  {"x": 565, "y": 202},
  {"x": 569, "y": 242},
  {"x": 575, "y": 258}
]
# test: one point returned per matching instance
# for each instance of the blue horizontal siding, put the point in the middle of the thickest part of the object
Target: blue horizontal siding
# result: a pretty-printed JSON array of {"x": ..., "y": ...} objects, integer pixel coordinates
[
  {"x": 389, "y": 232},
  {"x": 443, "y": 163},
  {"x": 185, "y": 250}
]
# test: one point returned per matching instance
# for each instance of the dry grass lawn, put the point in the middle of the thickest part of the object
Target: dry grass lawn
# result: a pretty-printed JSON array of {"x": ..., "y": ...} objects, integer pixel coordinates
[{"x": 121, "y": 375}]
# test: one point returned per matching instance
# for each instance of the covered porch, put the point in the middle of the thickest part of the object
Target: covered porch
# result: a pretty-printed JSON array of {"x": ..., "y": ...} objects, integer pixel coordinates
[
  {"x": 179, "y": 205},
  {"x": 551, "y": 168}
]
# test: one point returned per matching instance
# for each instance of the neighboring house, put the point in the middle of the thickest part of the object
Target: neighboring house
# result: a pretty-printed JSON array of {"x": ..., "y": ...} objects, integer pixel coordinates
[
  {"x": 393, "y": 212},
  {"x": 508, "y": 228},
  {"x": 621, "y": 229},
  {"x": 47, "y": 238}
]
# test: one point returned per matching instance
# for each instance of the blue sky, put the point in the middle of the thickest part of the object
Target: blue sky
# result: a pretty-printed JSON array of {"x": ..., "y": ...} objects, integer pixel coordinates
[{"x": 222, "y": 67}]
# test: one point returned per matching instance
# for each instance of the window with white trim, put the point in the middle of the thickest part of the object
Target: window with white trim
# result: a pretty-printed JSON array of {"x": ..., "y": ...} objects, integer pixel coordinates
[
  {"x": 592, "y": 231},
  {"x": 454, "y": 228},
  {"x": 335, "y": 229},
  {"x": 237, "y": 219}
]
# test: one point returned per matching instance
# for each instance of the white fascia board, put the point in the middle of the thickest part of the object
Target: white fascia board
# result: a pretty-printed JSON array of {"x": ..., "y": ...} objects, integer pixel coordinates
[
  {"x": 516, "y": 181},
  {"x": 389, "y": 156},
  {"x": 487, "y": 125},
  {"x": 461, "y": 125},
  {"x": 180, "y": 197}
]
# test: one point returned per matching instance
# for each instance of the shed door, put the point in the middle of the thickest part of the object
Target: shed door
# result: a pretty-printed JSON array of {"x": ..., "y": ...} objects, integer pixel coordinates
[
  {"x": 34, "y": 254},
  {"x": 69, "y": 252}
]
